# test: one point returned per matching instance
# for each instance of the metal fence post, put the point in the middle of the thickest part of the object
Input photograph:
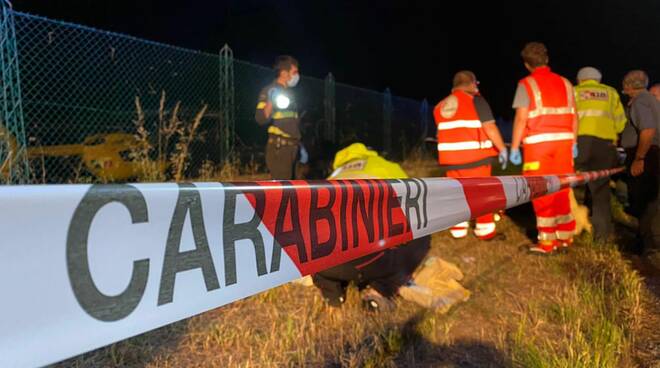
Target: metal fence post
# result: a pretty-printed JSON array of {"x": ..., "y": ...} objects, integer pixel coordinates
[
  {"x": 227, "y": 106},
  {"x": 387, "y": 121},
  {"x": 14, "y": 166},
  {"x": 330, "y": 131}
]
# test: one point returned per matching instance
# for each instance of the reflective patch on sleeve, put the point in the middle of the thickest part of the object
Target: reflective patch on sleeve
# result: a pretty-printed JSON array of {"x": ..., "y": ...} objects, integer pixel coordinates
[
  {"x": 449, "y": 106},
  {"x": 531, "y": 166},
  {"x": 261, "y": 105},
  {"x": 593, "y": 94}
]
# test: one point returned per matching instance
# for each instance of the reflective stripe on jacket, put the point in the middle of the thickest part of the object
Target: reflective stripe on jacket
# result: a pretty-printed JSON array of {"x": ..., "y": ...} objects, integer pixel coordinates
[
  {"x": 551, "y": 107},
  {"x": 599, "y": 109}
]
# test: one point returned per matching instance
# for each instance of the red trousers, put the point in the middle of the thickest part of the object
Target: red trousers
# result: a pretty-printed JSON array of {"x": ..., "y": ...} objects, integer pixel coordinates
[
  {"x": 554, "y": 219},
  {"x": 485, "y": 226}
]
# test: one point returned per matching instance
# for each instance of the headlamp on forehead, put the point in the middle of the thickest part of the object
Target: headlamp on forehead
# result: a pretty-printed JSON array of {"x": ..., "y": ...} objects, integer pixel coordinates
[{"x": 282, "y": 101}]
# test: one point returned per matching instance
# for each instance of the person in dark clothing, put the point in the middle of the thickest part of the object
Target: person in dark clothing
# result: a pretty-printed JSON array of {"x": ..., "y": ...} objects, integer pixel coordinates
[
  {"x": 385, "y": 272},
  {"x": 277, "y": 109},
  {"x": 641, "y": 139},
  {"x": 379, "y": 275}
]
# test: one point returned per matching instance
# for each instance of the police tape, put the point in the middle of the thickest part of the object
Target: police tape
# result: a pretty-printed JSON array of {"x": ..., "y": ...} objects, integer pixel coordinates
[{"x": 83, "y": 266}]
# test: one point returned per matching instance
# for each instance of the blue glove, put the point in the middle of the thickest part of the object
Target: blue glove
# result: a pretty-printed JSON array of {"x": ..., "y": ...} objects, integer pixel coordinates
[
  {"x": 621, "y": 153},
  {"x": 503, "y": 158},
  {"x": 515, "y": 157},
  {"x": 304, "y": 157},
  {"x": 575, "y": 150}
]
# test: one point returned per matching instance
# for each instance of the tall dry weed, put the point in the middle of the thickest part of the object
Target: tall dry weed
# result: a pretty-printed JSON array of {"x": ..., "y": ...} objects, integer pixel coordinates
[
  {"x": 179, "y": 159},
  {"x": 172, "y": 131}
]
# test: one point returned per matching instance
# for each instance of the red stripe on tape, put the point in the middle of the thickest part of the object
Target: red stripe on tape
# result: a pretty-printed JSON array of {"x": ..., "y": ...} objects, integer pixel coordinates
[
  {"x": 321, "y": 224},
  {"x": 483, "y": 195}
]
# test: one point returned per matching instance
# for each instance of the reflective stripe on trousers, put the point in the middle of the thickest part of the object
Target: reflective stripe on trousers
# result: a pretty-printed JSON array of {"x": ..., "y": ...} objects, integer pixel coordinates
[
  {"x": 547, "y": 235},
  {"x": 554, "y": 221},
  {"x": 484, "y": 229},
  {"x": 459, "y": 230},
  {"x": 565, "y": 235}
]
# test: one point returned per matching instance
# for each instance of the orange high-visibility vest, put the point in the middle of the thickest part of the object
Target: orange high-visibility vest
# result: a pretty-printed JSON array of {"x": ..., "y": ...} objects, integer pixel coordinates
[
  {"x": 551, "y": 107},
  {"x": 461, "y": 137}
]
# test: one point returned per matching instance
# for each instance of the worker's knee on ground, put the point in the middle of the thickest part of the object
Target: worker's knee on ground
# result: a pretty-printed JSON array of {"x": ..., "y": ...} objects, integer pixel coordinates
[
  {"x": 413, "y": 253},
  {"x": 333, "y": 291}
]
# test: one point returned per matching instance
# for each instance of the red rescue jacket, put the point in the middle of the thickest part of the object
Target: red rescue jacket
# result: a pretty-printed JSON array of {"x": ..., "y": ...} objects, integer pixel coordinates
[
  {"x": 551, "y": 107},
  {"x": 461, "y": 137}
]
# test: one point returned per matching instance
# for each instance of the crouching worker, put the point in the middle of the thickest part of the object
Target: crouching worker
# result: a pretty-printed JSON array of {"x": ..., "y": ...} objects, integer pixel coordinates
[{"x": 379, "y": 275}]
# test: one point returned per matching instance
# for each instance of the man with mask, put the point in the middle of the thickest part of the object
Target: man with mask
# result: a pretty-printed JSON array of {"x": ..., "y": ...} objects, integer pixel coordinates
[
  {"x": 468, "y": 140},
  {"x": 641, "y": 139},
  {"x": 277, "y": 108}
]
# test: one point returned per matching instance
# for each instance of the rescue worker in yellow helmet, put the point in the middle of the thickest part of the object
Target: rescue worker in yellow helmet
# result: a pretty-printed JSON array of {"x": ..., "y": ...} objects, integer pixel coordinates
[
  {"x": 601, "y": 118},
  {"x": 379, "y": 275}
]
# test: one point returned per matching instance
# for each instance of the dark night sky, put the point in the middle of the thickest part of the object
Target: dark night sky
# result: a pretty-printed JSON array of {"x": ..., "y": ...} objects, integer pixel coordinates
[{"x": 413, "y": 47}]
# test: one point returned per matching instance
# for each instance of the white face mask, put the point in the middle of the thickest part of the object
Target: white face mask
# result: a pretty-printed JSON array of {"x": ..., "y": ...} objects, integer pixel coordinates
[{"x": 293, "y": 81}]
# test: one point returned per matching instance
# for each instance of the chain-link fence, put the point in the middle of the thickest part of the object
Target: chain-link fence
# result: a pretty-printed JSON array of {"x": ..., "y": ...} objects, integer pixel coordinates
[
  {"x": 83, "y": 90},
  {"x": 79, "y": 88}
]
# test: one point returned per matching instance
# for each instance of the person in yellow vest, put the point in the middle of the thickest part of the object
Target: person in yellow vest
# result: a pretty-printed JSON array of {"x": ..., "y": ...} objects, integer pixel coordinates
[{"x": 601, "y": 118}]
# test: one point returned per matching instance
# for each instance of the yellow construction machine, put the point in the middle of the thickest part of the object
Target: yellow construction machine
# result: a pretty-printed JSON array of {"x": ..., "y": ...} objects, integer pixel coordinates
[{"x": 106, "y": 156}]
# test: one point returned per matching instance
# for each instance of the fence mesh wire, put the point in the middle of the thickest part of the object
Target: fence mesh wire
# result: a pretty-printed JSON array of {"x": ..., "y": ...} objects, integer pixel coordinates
[{"x": 79, "y": 87}]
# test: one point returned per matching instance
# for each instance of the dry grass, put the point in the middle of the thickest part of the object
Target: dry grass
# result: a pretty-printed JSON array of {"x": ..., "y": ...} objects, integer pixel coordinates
[
  {"x": 231, "y": 170},
  {"x": 180, "y": 156},
  {"x": 171, "y": 132},
  {"x": 171, "y": 147},
  {"x": 148, "y": 169},
  {"x": 575, "y": 310},
  {"x": 597, "y": 314},
  {"x": 419, "y": 164},
  {"x": 7, "y": 150}
]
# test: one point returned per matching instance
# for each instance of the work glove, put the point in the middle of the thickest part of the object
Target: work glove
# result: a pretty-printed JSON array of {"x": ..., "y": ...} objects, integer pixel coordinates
[
  {"x": 515, "y": 156},
  {"x": 621, "y": 155},
  {"x": 304, "y": 157},
  {"x": 575, "y": 150},
  {"x": 503, "y": 158}
]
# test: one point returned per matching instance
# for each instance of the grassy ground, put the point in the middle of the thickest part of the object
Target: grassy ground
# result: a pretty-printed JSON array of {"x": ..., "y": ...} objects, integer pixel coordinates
[{"x": 587, "y": 308}]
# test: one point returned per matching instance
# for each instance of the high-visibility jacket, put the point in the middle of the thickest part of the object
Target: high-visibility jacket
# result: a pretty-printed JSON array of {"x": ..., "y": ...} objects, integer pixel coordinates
[
  {"x": 358, "y": 162},
  {"x": 599, "y": 109},
  {"x": 551, "y": 107},
  {"x": 461, "y": 137}
]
